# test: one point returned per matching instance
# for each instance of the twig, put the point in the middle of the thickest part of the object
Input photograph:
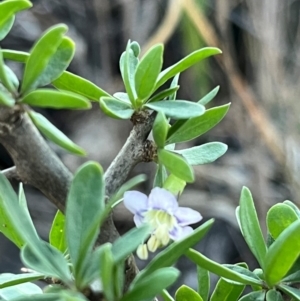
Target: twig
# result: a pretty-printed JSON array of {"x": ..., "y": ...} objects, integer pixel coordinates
[{"x": 11, "y": 173}]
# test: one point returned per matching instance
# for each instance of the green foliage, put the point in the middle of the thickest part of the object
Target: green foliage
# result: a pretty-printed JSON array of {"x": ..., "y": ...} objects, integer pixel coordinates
[
  {"x": 54, "y": 134},
  {"x": 282, "y": 254},
  {"x": 149, "y": 287},
  {"x": 74, "y": 83},
  {"x": 279, "y": 217},
  {"x": 250, "y": 227},
  {"x": 40, "y": 57},
  {"x": 7, "y": 12},
  {"x": 203, "y": 154},
  {"x": 85, "y": 205},
  {"x": 203, "y": 283},
  {"x": 179, "y": 109},
  {"x": 185, "y": 293},
  {"x": 160, "y": 130},
  {"x": 57, "y": 237},
  {"x": 47, "y": 98},
  {"x": 185, "y": 130},
  {"x": 147, "y": 72},
  {"x": 116, "y": 108},
  {"x": 176, "y": 165}
]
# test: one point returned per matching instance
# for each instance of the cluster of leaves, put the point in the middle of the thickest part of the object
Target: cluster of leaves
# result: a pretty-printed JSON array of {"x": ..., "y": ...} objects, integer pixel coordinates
[{"x": 70, "y": 258}]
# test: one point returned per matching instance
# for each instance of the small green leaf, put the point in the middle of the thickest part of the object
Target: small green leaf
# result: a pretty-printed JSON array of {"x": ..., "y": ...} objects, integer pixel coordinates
[
  {"x": 116, "y": 108},
  {"x": 74, "y": 83},
  {"x": 152, "y": 285},
  {"x": 129, "y": 242},
  {"x": 22, "y": 292},
  {"x": 178, "y": 109},
  {"x": 176, "y": 165},
  {"x": 160, "y": 176},
  {"x": 174, "y": 185},
  {"x": 185, "y": 293},
  {"x": 293, "y": 206},
  {"x": 8, "y": 279},
  {"x": 173, "y": 85},
  {"x": 147, "y": 72},
  {"x": 128, "y": 64},
  {"x": 42, "y": 257},
  {"x": 290, "y": 291},
  {"x": 273, "y": 295},
  {"x": 203, "y": 282},
  {"x": 186, "y": 63},
  {"x": 279, "y": 217},
  {"x": 4, "y": 77},
  {"x": 106, "y": 272},
  {"x": 15, "y": 55},
  {"x": 160, "y": 129},
  {"x": 221, "y": 270},
  {"x": 227, "y": 291},
  {"x": 54, "y": 134},
  {"x": 250, "y": 227},
  {"x": 9, "y": 8},
  {"x": 57, "y": 237},
  {"x": 58, "y": 62},
  {"x": 203, "y": 154},
  {"x": 85, "y": 204},
  {"x": 163, "y": 94},
  {"x": 210, "y": 96},
  {"x": 254, "y": 296},
  {"x": 292, "y": 278},
  {"x": 6, "y": 99},
  {"x": 166, "y": 296},
  {"x": 40, "y": 56},
  {"x": 15, "y": 222},
  {"x": 282, "y": 254},
  {"x": 6, "y": 27},
  {"x": 49, "y": 98},
  {"x": 24, "y": 207},
  {"x": 170, "y": 255},
  {"x": 185, "y": 130},
  {"x": 135, "y": 47}
]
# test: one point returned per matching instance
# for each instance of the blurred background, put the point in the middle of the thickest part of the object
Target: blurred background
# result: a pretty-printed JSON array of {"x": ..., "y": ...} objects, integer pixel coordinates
[{"x": 258, "y": 73}]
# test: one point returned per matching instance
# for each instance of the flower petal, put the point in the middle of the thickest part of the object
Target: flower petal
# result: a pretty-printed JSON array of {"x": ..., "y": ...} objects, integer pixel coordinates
[
  {"x": 160, "y": 198},
  {"x": 186, "y": 216},
  {"x": 135, "y": 201},
  {"x": 138, "y": 220},
  {"x": 180, "y": 232}
]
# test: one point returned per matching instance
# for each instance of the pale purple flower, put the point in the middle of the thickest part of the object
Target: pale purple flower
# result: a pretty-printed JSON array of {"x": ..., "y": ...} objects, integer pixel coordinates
[{"x": 161, "y": 211}]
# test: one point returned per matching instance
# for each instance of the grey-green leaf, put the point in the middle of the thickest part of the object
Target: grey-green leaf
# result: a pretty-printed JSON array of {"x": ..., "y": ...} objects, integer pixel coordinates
[
  {"x": 129, "y": 242},
  {"x": 203, "y": 154},
  {"x": 250, "y": 227},
  {"x": 210, "y": 96},
  {"x": 178, "y": 109},
  {"x": 85, "y": 204},
  {"x": 185, "y": 130},
  {"x": 44, "y": 258},
  {"x": 54, "y": 134},
  {"x": 116, "y": 108}
]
